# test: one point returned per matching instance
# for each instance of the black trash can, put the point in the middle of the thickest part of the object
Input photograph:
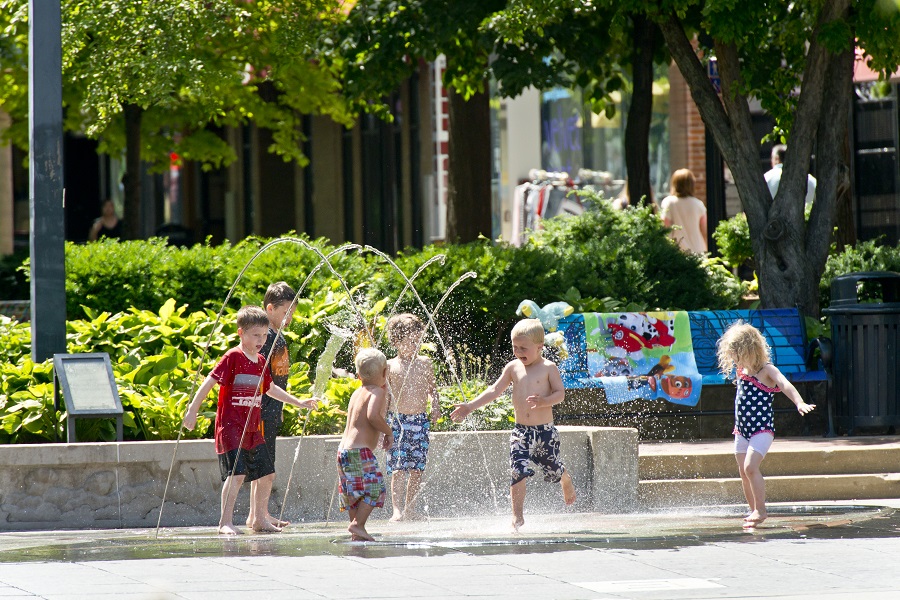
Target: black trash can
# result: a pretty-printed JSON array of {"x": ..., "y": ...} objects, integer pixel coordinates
[{"x": 865, "y": 330}]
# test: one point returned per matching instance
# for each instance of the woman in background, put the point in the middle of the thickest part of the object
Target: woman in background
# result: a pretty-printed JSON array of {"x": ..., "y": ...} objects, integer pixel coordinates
[{"x": 684, "y": 213}]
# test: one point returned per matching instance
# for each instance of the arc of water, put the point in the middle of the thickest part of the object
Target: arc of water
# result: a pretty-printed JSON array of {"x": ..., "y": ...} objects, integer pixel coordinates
[
  {"x": 323, "y": 260},
  {"x": 443, "y": 347},
  {"x": 436, "y": 258}
]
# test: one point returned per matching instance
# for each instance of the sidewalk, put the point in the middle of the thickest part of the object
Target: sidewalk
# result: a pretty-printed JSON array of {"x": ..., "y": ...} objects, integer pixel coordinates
[{"x": 831, "y": 551}]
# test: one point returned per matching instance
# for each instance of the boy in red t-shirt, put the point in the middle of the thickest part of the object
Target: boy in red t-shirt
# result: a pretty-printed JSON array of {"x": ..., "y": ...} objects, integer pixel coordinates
[{"x": 238, "y": 429}]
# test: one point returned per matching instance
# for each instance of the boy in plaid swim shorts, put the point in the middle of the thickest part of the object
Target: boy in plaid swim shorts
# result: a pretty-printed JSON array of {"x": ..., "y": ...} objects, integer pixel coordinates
[{"x": 361, "y": 483}]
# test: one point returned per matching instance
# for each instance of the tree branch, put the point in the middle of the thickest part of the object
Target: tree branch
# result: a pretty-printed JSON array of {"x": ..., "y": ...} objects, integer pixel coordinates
[{"x": 714, "y": 116}]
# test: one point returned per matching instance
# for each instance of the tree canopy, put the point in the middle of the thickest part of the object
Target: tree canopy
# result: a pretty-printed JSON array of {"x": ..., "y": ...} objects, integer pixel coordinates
[{"x": 149, "y": 77}]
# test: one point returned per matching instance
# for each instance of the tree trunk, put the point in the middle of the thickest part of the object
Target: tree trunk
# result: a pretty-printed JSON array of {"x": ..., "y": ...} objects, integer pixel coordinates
[
  {"x": 131, "y": 180},
  {"x": 790, "y": 255},
  {"x": 645, "y": 37},
  {"x": 469, "y": 177}
]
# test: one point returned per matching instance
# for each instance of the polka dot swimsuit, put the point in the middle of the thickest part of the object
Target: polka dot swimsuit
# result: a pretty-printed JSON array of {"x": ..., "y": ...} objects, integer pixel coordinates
[{"x": 753, "y": 409}]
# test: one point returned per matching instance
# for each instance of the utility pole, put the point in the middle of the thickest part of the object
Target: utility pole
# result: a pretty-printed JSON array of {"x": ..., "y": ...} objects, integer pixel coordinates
[{"x": 48, "y": 259}]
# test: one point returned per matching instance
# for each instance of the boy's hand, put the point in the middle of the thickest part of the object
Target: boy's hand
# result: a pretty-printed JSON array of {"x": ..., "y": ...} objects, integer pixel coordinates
[
  {"x": 312, "y": 403},
  {"x": 460, "y": 412},
  {"x": 534, "y": 401},
  {"x": 804, "y": 409},
  {"x": 190, "y": 421},
  {"x": 386, "y": 441}
]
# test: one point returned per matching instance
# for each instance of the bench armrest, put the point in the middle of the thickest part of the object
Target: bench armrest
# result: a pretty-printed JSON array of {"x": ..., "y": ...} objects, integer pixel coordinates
[{"x": 826, "y": 353}]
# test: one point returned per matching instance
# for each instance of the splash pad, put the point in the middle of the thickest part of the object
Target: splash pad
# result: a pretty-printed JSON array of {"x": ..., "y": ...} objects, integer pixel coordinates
[{"x": 672, "y": 529}]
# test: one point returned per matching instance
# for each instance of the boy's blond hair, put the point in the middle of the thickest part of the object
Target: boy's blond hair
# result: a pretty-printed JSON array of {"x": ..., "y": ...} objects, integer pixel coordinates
[
  {"x": 404, "y": 326},
  {"x": 251, "y": 316},
  {"x": 369, "y": 363},
  {"x": 742, "y": 344},
  {"x": 529, "y": 328}
]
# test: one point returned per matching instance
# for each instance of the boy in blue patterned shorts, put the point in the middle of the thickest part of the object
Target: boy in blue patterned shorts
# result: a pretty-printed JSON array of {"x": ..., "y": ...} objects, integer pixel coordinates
[
  {"x": 361, "y": 483},
  {"x": 411, "y": 382},
  {"x": 537, "y": 387}
]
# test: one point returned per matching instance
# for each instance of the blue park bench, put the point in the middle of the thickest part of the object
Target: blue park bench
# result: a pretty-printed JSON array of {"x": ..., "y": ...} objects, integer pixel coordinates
[{"x": 784, "y": 330}]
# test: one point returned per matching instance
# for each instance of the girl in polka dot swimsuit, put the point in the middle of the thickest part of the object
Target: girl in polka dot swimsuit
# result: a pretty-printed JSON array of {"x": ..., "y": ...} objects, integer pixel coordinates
[{"x": 743, "y": 351}]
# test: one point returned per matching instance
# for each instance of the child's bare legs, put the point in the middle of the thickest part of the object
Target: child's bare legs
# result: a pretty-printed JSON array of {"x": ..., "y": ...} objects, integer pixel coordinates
[
  {"x": 265, "y": 503},
  {"x": 412, "y": 492},
  {"x": 230, "y": 488},
  {"x": 752, "y": 475},
  {"x": 399, "y": 480},
  {"x": 359, "y": 514},
  {"x": 259, "y": 519},
  {"x": 568, "y": 488},
  {"x": 517, "y": 496},
  {"x": 745, "y": 483}
]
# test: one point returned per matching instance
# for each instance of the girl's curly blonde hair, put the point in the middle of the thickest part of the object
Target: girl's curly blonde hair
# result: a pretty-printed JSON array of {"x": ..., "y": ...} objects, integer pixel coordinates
[{"x": 742, "y": 345}]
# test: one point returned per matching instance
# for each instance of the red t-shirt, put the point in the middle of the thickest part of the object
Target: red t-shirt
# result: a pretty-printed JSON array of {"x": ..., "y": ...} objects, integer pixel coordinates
[{"x": 239, "y": 400}]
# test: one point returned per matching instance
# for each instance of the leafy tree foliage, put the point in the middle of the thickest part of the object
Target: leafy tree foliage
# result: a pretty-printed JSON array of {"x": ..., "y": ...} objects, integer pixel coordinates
[{"x": 149, "y": 77}]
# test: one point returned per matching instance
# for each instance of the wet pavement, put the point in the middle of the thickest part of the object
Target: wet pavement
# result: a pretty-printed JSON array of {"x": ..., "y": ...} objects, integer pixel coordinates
[{"x": 805, "y": 551}]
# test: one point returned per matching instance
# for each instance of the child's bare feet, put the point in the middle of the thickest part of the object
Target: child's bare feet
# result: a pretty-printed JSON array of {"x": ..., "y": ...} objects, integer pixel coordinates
[
  {"x": 265, "y": 527},
  {"x": 755, "y": 518},
  {"x": 359, "y": 534},
  {"x": 568, "y": 489},
  {"x": 229, "y": 530},
  {"x": 397, "y": 516},
  {"x": 516, "y": 523}
]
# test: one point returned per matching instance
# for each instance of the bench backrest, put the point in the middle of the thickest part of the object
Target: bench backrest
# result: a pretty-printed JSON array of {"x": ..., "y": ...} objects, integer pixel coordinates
[{"x": 783, "y": 329}]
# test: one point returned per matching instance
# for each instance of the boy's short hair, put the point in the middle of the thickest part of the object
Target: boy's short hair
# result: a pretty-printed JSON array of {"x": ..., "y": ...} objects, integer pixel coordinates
[
  {"x": 251, "y": 316},
  {"x": 278, "y": 293},
  {"x": 529, "y": 328},
  {"x": 403, "y": 326},
  {"x": 369, "y": 362}
]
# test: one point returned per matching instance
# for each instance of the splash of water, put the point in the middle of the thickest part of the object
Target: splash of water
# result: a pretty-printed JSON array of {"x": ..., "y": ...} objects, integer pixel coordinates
[
  {"x": 323, "y": 374},
  {"x": 437, "y": 333}
]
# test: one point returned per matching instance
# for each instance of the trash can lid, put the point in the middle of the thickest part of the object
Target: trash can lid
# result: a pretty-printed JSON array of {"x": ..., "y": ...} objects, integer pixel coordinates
[{"x": 845, "y": 288}]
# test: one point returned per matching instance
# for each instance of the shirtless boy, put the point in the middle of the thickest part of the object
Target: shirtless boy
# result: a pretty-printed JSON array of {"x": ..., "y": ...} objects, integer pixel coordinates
[
  {"x": 413, "y": 409},
  {"x": 361, "y": 483},
  {"x": 537, "y": 387}
]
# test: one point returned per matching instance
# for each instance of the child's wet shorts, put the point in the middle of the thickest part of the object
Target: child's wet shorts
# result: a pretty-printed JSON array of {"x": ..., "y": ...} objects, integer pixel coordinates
[
  {"x": 360, "y": 478},
  {"x": 538, "y": 444},
  {"x": 254, "y": 463},
  {"x": 410, "y": 449}
]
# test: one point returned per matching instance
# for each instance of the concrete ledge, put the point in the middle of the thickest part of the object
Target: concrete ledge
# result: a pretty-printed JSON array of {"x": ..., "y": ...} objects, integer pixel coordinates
[
  {"x": 58, "y": 486},
  {"x": 798, "y": 488}
]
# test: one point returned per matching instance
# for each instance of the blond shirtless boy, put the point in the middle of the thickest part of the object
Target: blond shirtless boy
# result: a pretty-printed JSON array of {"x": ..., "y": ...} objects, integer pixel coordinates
[
  {"x": 537, "y": 387},
  {"x": 361, "y": 483}
]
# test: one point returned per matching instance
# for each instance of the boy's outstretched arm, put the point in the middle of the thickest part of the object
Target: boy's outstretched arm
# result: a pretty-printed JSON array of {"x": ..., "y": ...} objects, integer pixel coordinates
[
  {"x": 431, "y": 393},
  {"x": 190, "y": 417},
  {"x": 464, "y": 409},
  {"x": 375, "y": 411},
  {"x": 557, "y": 391},
  {"x": 279, "y": 394}
]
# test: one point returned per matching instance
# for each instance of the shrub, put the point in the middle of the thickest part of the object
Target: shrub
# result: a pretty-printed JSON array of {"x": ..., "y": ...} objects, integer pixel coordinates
[
  {"x": 622, "y": 257},
  {"x": 865, "y": 256},
  {"x": 732, "y": 238}
]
